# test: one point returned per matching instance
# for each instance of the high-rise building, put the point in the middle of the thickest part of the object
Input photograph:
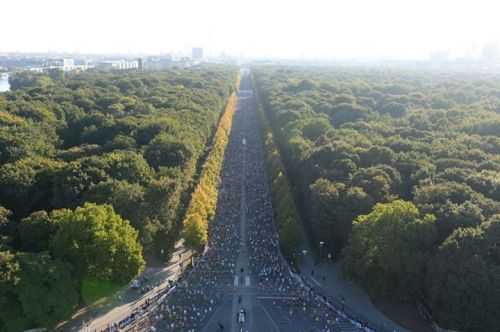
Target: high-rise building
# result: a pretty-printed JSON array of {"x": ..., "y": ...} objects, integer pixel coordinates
[{"x": 197, "y": 53}]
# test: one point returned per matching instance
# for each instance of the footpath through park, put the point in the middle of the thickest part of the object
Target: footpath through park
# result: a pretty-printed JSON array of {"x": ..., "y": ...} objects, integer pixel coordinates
[
  {"x": 326, "y": 277},
  {"x": 154, "y": 280}
]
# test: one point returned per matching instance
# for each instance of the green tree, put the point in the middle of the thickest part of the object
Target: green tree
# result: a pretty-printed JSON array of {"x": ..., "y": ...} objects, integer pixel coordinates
[
  {"x": 333, "y": 209},
  {"x": 378, "y": 155},
  {"x": 463, "y": 282},
  {"x": 4, "y": 219},
  {"x": 167, "y": 151},
  {"x": 389, "y": 248},
  {"x": 195, "y": 232},
  {"x": 12, "y": 318},
  {"x": 28, "y": 140},
  {"x": 315, "y": 128},
  {"x": 16, "y": 181},
  {"x": 35, "y": 231},
  {"x": 121, "y": 142},
  {"x": 454, "y": 205},
  {"x": 72, "y": 180},
  {"x": 126, "y": 198},
  {"x": 99, "y": 243},
  {"x": 381, "y": 183},
  {"x": 451, "y": 216},
  {"x": 47, "y": 290},
  {"x": 9, "y": 270},
  {"x": 26, "y": 184},
  {"x": 394, "y": 109},
  {"x": 129, "y": 166},
  {"x": 68, "y": 140}
]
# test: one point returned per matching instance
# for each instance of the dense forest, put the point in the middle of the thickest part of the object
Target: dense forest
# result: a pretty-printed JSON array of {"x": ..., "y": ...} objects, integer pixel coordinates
[
  {"x": 96, "y": 171},
  {"x": 398, "y": 173}
]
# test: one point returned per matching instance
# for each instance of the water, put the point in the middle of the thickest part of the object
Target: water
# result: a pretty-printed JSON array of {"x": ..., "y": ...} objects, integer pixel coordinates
[{"x": 4, "y": 82}]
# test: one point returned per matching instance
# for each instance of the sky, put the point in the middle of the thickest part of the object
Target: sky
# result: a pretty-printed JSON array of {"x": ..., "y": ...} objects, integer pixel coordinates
[{"x": 338, "y": 29}]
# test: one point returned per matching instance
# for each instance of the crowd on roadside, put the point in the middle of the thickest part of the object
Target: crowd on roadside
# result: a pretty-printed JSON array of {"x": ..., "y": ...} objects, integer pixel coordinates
[
  {"x": 141, "y": 312},
  {"x": 198, "y": 293},
  {"x": 266, "y": 262}
]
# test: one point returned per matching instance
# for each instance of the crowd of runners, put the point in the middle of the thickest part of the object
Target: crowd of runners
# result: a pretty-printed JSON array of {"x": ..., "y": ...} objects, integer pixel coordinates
[
  {"x": 266, "y": 262},
  {"x": 195, "y": 296}
]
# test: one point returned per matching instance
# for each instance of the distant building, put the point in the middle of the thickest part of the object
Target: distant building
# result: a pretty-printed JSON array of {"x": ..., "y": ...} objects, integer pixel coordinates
[
  {"x": 197, "y": 53},
  {"x": 140, "y": 64},
  {"x": 157, "y": 62},
  {"x": 117, "y": 64},
  {"x": 66, "y": 64}
]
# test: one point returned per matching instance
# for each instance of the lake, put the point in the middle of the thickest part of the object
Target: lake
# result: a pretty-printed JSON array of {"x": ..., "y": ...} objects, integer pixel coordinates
[{"x": 4, "y": 82}]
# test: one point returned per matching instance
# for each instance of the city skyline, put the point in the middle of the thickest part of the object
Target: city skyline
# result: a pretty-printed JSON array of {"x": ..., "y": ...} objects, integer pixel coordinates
[{"x": 296, "y": 29}]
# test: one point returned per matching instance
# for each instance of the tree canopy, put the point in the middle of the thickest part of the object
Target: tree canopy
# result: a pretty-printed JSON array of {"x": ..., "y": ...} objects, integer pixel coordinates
[
  {"x": 96, "y": 170},
  {"x": 98, "y": 243},
  {"x": 389, "y": 248},
  {"x": 390, "y": 169}
]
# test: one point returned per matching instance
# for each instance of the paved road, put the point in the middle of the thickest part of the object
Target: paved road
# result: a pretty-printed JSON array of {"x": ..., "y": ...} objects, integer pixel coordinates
[
  {"x": 127, "y": 300},
  {"x": 242, "y": 267},
  {"x": 261, "y": 283},
  {"x": 327, "y": 278},
  {"x": 244, "y": 295}
]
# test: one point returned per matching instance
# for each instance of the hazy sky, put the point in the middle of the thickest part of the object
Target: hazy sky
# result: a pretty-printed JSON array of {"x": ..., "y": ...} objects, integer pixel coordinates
[{"x": 309, "y": 28}]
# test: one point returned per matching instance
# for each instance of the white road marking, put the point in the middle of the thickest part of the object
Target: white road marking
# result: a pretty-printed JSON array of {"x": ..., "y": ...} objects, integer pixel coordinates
[
  {"x": 236, "y": 281},
  {"x": 316, "y": 281},
  {"x": 276, "y": 297},
  {"x": 247, "y": 281},
  {"x": 270, "y": 318}
]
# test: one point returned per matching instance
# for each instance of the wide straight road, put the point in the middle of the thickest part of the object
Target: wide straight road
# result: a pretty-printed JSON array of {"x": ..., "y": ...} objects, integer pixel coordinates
[
  {"x": 244, "y": 295},
  {"x": 242, "y": 283}
]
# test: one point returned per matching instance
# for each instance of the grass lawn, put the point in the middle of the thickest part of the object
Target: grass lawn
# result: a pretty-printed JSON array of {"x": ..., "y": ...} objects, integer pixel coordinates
[{"x": 94, "y": 289}]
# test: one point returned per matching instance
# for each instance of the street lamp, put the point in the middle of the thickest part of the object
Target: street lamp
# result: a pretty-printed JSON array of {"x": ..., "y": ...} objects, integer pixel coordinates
[{"x": 321, "y": 244}]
